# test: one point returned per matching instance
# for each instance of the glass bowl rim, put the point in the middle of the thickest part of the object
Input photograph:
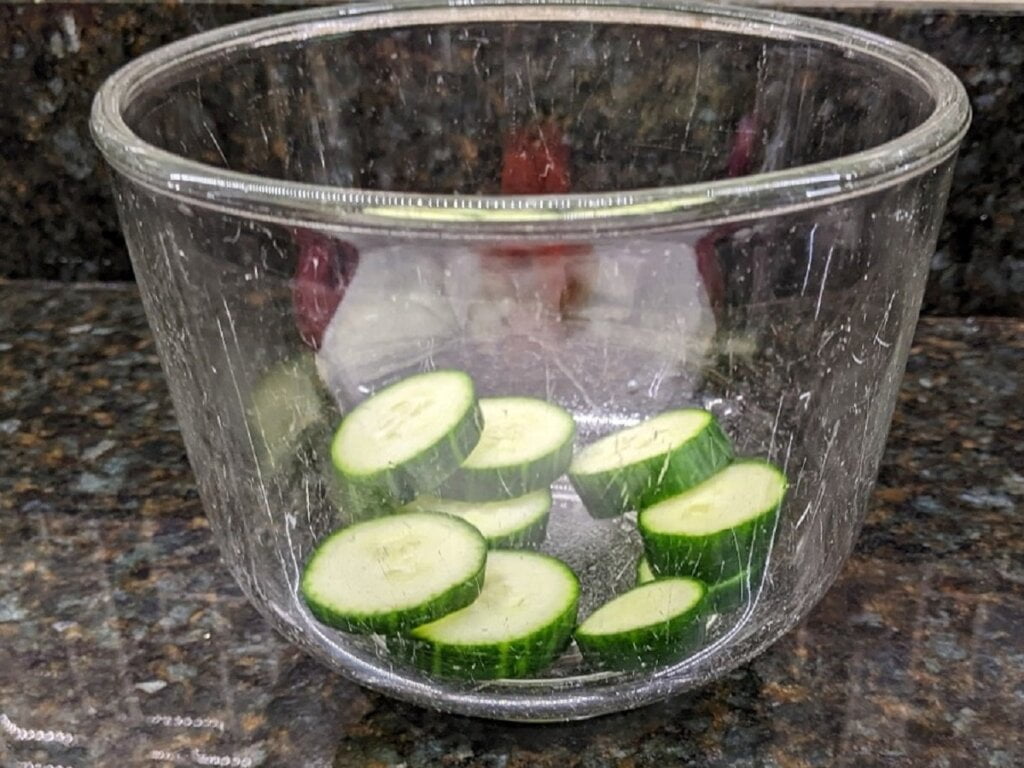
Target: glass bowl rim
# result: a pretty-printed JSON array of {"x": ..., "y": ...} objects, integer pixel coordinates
[{"x": 295, "y": 203}]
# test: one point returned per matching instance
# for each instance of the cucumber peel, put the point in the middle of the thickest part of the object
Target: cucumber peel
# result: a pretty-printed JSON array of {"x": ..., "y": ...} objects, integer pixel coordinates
[
  {"x": 506, "y": 523},
  {"x": 717, "y": 529},
  {"x": 525, "y": 445},
  {"x": 287, "y": 416},
  {"x": 723, "y": 595},
  {"x": 384, "y": 575},
  {"x": 653, "y": 624},
  {"x": 521, "y": 621},
  {"x": 644, "y": 574},
  {"x": 641, "y": 465},
  {"x": 406, "y": 438},
  {"x": 734, "y": 591}
]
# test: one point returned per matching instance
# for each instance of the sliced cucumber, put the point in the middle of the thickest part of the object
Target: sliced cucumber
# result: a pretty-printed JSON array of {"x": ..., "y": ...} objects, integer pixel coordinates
[
  {"x": 518, "y": 522},
  {"x": 392, "y": 573},
  {"x": 521, "y": 621},
  {"x": 721, "y": 527},
  {"x": 735, "y": 591},
  {"x": 639, "y": 466},
  {"x": 723, "y": 596},
  {"x": 357, "y": 501},
  {"x": 656, "y": 623},
  {"x": 644, "y": 574},
  {"x": 525, "y": 444},
  {"x": 407, "y": 438},
  {"x": 287, "y": 416}
]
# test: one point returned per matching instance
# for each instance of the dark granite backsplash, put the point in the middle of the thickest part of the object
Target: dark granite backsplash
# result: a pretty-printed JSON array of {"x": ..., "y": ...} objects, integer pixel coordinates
[{"x": 57, "y": 219}]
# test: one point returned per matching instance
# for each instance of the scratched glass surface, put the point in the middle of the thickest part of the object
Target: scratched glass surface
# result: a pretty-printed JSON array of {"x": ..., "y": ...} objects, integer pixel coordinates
[{"x": 618, "y": 209}]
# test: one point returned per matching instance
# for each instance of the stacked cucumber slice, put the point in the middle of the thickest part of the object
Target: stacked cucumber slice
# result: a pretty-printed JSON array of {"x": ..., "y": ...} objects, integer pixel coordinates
[
  {"x": 450, "y": 489},
  {"x": 706, "y": 521},
  {"x": 286, "y": 415},
  {"x": 723, "y": 595},
  {"x": 526, "y": 444},
  {"x": 656, "y": 623},
  {"x": 446, "y": 476},
  {"x": 518, "y": 522},
  {"x": 521, "y": 621},
  {"x": 717, "y": 529},
  {"x": 635, "y": 467},
  {"x": 409, "y": 436},
  {"x": 384, "y": 575}
]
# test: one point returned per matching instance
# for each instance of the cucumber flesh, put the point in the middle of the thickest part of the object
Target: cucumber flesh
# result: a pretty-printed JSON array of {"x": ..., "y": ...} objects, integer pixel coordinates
[
  {"x": 393, "y": 573},
  {"x": 641, "y": 465},
  {"x": 287, "y": 416},
  {"x": 723, "y": 596},
  {"x": 518, "y": 522},
  {"x": 721, "y": 527},
  {"x": 355, "y": 501},
  {"x": 644, "y": 574},
  {"x": 656, "y": 623},
  {"x": 521, "y": 621},
  {"x": 408, "y": 437},
  {"x": 526, "y": 444}
]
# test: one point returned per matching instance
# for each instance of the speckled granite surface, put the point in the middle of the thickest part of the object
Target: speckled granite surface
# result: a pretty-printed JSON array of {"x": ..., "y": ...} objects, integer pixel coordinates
[
  {"x": 57, "y": 219},
  {"x": 124, "y": 642}
]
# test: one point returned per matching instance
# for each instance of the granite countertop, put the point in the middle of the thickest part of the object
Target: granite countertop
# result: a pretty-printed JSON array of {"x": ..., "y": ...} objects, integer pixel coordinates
[{"x": 124, "y": 641}]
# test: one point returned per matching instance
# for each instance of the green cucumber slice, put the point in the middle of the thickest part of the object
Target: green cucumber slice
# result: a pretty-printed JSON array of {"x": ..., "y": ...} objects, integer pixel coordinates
[
  {"x": 407, "y": 438},
  {"x": 287, "y": 416},
  {"x": 723, "y": 596},
  {"x": 392, "y": 573},
  {"x": 525, "y": 445},
  {"x": 731, "y": 593},
  {"x": 357, "y": 501},
  {"x": 518, "y": 522},
  {"x": 656, "y": 623},
  {"x": 641, "y": 465},
  {"x": 721, "y": 527},
  {"x": 644, "y": 574},
  {"x": 521, "y": 621}
]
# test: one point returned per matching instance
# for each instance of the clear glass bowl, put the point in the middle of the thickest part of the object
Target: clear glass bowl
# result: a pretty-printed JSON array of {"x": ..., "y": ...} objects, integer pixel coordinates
[{"x": 621, "y": 208}]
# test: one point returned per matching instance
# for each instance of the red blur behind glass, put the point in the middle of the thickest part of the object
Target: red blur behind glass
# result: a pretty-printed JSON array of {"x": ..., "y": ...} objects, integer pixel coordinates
[
  {"x": 324, "y": 268},
  {"x": 535, "y": 160}
]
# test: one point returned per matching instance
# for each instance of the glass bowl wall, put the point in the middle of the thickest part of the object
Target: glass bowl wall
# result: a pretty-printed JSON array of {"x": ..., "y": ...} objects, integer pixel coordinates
[{"x": 736, "y": 212}]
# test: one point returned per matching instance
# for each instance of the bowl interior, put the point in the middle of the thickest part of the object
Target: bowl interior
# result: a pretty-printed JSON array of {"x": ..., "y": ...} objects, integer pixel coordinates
[{"x": 433, "y": 107}]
